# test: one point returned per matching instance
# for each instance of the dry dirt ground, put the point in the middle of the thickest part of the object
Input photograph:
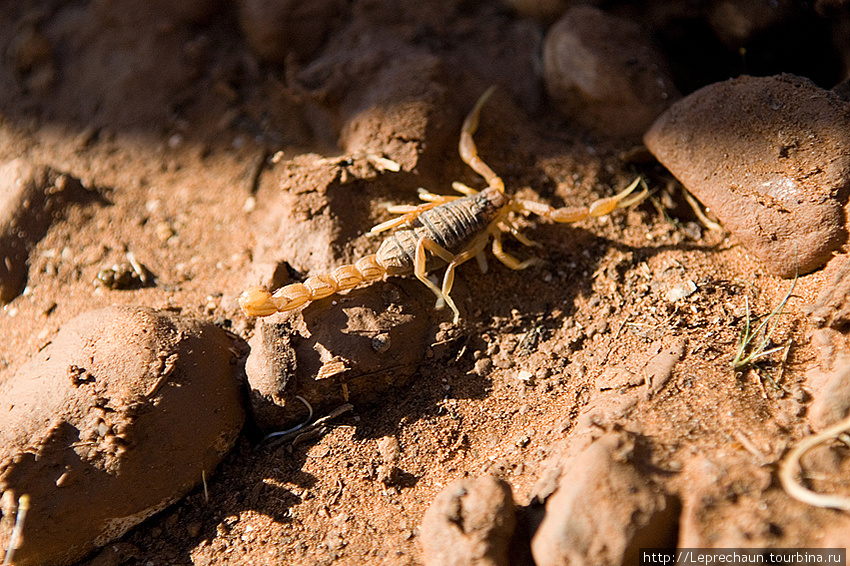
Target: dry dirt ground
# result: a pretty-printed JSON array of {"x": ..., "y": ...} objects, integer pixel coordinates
[{"x": 194, "y": 142}]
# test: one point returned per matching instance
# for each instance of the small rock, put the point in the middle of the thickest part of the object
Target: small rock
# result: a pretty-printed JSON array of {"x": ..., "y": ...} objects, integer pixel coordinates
[
  {"x": 277, "y": 28},
  {"x": 603, "y": 510},
  {"x": 389, "y": 449},
  {"x": 680, "y": 291},
  {"x": 469, "y": 522},
  {"x": 31, "y": 198},
  {"x": 605, "y": 72},
  {"x": 736, "y": 22},
  {"x": 769, "y": 156},
  {"x": 117, "y": 418}
]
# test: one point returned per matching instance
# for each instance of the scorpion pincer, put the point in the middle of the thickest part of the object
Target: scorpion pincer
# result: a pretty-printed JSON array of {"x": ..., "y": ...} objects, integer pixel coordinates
[{"x": 445, "y": 230}]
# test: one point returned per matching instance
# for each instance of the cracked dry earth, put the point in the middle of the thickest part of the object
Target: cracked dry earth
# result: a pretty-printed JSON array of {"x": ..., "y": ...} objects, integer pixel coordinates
[{"x": 202, "y": 167}]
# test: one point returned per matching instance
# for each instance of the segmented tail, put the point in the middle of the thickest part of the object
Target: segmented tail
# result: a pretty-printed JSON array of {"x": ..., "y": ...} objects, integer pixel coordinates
[{"x": 257, "y": 301}]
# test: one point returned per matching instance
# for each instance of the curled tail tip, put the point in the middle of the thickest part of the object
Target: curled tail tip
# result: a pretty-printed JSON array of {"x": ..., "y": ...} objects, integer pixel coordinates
[{"x": 256, "y": 301}]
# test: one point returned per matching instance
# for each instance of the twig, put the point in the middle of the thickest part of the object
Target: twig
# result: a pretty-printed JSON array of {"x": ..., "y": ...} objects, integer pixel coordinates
[
  {"x": 792, "y": 463},
  {"x": 206, "y": 491},
  {"x": 695, "y": 206},
  {"x": 16, "y": 538}
]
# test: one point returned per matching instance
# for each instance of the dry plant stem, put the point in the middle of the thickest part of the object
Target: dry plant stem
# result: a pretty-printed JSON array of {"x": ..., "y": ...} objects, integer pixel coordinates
[
  {"x": 16, "y": 538},
  {"x": 297, "y": 432},
  {"x": 295, "y": 428},
  {"x": 787, "y": 471}
]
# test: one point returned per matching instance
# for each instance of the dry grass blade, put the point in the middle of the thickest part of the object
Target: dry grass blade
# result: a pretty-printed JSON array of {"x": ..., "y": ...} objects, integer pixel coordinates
[{"x": 753, "y": 344}]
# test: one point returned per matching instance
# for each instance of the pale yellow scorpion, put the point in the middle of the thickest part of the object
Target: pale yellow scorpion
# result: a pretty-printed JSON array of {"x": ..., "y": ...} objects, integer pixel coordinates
[{"x": 446, "y": 230}]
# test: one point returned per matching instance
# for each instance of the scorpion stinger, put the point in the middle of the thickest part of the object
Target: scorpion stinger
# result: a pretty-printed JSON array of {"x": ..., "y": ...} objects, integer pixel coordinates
[{"x": 445, "y": 230}]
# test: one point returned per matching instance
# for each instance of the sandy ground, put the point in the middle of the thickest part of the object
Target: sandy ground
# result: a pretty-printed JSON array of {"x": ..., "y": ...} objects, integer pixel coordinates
[{"x": 195, "y": 144}]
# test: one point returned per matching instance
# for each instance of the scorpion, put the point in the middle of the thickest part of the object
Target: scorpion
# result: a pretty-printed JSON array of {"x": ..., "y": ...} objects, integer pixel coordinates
[{"x": 445, "y": 230}]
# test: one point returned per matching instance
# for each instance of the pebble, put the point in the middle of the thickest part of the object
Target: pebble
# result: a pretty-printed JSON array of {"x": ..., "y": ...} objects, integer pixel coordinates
[
  {"x": 605, "y": 73},
  {"x": 769, "y": 156},
  {"x": 602, "y": 510},
  {"x": 470, "y": 522},
  {"x": 680, "y": 291},
  {"x": 117, "y": 418}
]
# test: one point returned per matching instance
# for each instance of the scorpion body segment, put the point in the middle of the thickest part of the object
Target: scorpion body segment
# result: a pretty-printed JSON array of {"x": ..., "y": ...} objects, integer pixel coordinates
[
  {"x": 452, "y": 226},
  {"x": 446, "y": 230}
]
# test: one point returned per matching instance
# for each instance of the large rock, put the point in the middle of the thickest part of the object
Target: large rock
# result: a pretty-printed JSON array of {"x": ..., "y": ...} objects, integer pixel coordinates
[
  {"x": 117, "y": 418},
  {"x": 770, "y": 156}
]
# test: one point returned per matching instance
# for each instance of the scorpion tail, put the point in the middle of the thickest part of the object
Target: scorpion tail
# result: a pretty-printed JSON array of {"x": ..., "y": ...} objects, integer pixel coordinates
[
  {"x": 467, "y": 148},
  {"x": 256, "y": 301}
]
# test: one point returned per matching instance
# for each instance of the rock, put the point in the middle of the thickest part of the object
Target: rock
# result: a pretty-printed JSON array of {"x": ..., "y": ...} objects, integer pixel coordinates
[
  {"x": 401, "y": 114},
  {"x": 604, "y": 72},
  {"x": 354, "y": 347},
  {"x": 117, "y": 418},
  {"x": 31, "y": 198},
  {"x": 831, "y": 396},
  {"x": 390, "y": 99},
  {"x": 603, "y": 511},
  {"x": 469, "y": 523},
  {"x": 278, "y": 28},
  {"x": 769, "y": 156}
]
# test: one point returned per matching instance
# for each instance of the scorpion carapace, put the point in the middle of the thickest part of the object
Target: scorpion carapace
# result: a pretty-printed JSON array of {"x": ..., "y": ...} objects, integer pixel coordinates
[{"x": 445, "y": 230}]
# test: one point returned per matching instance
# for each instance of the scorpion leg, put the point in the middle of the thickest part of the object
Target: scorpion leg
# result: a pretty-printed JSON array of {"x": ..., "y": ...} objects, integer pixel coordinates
[
  {"x": 467, "y": 149},
  {"x": 419, "y": 264},
  {"x": 410, "y": 215},
  {"x": 507, "y": 258},
  {"x": 410, "y": 212},
  {"x": 465, "y": 190},
  {"x": 600, "y": 207},
  {"x": 449, "y": 277}
]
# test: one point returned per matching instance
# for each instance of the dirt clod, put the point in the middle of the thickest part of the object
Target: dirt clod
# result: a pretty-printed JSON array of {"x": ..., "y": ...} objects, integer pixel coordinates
[
  {"x": 831, "y": 397},
  {"x": 118, "y": 417},
  {"x": 603, "y": 510},
  {"x": 32, "y": 197},
  {"x": 469, "y": 523},
  {"x": 327, "y": 353}
]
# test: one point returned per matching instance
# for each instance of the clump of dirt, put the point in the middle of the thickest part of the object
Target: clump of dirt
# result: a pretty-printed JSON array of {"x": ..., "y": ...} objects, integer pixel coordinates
[{"x": 219, "y": 164}]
